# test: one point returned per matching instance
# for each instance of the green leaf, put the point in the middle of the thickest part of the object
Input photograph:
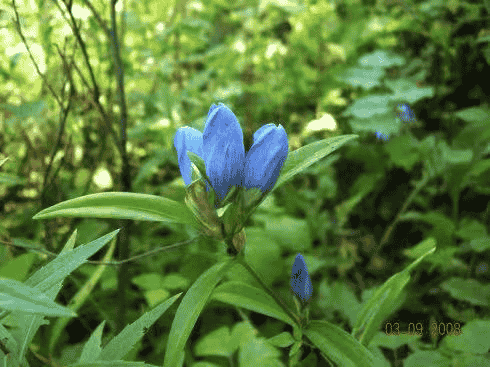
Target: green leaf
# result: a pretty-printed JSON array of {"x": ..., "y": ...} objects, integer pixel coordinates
[
  {"x": 468, "y": 290},
  {"x": 80, "y": 297},
  {"x": 121, "y": 344},
  {"x": 199, "y": 163},
  {"x": 473, "y": 339},
  {"x": 48, "y": 280},
  {"x": 189, "y": 310},
  {"x": 337, "y": 345},
  {"x": 407, "y": 90},
  {"x": 52, "y": 274},
  {"x": 121, "y": 205},
  {"x": 112, "y": 364},
  {"x": 216, "y": 343},
  {"x": 364, "y": 77},
  {"x": 92, "y": 348},
  {"x": 369, "y": 107},
  {"x": 381, "y": 305},
  {"x": 18, "y": 297},
  {"x": 251, "y": 298},
  {"x": 304, "y": 157}
]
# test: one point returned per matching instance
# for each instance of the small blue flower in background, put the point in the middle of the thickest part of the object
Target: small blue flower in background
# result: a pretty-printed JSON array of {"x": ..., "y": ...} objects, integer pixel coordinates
[
  {"x": 405, "y": 113},
  {"x": 221, "y": 147},
  {"x": 382, "y": 136},
  {"x": 300, "y": 279}
]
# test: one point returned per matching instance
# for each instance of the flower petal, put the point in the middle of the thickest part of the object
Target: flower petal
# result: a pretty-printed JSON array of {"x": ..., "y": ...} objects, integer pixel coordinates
[
  {"x": 186, "y": 138},
  {"x": 223, "y": 149},
  {"x": 266, "y": 157}
]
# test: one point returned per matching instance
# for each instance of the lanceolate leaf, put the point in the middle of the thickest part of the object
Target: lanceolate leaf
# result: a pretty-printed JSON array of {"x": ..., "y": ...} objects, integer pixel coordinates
[
  {"x": 304, "y": 157},
  {"x": 189, "y": 310},
  {"x": 338, "y": 345},
  {"x": 121, "y": 205},
  {"x": 382, "y": 303}
]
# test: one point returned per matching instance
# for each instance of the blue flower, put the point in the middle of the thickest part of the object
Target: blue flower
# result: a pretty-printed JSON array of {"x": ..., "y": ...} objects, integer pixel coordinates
[
  {"x": 221, "y": 147},
  {"x": 382, "y": 136},
  {"x": 405, "y": 113},
  {"x": 266, "y": 157},
  {"x": 300, "y": 279},
  {"x": 223, "y": 150}
]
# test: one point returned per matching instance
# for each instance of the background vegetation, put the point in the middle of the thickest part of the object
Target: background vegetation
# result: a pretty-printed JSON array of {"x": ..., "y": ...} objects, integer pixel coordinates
[{"x": 82, "y": 111}]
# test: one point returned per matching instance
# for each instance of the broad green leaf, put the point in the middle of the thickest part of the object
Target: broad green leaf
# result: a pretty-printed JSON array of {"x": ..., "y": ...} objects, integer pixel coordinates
[
  {"x": 369, "y": 107},
  {"x": 304, "y": 157},
  {"x": 15, "y": 296},
  {"x": 381, "y": 305},
  {"x": 473, "y": 338},
  {"x": 189, "y": 310},
  {"x": 338, "y": 345},
  {"x": 407, "y": 90},
  {"x": 381, "y": 59},
  {"x": 121, "y": 344},
  {"x": 251, "y": 298},
  {"x": 121, "y": 205},
  {"x": 364, "y": 77},
  {"x": 468, "y": 290}
]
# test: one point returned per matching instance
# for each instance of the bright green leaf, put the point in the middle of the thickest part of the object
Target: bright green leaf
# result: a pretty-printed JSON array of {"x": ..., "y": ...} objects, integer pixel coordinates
[
  {"x": 304, "y": 157},
  {"x": 244, "y": 295},
  {"x": 338, "y": 345},
  {"x": 381, "y": 305},
  {"x": 121, "y": 205},
  {"x": 189, "y": 310}
]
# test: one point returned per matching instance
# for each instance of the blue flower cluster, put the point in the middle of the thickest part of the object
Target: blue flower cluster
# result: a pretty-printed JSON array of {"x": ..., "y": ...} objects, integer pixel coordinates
[{"x": 221, "y": 147}]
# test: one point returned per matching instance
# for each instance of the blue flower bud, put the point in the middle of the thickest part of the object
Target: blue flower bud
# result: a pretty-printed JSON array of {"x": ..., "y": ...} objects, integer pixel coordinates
[
  {"x": 223, "y": 150},
  {"x": 300, "y": 279},
  {"x": 266, "y": 157},
  {"x": 405, "y": 113},
  {"x": 186, "y": 139}
]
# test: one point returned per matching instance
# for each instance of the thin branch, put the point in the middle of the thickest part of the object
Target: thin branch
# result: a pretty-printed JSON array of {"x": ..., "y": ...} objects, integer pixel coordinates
[
  {"x": 425, "y": 179},
  {"x": 100, "y": 21},
  {"x": 113, "y": 263},
  {"x": 19, "y": 31},
  {"x": 95, "y": 87}
]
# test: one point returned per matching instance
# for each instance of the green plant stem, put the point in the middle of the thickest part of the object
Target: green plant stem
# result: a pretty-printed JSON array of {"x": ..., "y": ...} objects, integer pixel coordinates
[
  {"x": 292, "y": 315},
  {"x": 425, "y": 179}
]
